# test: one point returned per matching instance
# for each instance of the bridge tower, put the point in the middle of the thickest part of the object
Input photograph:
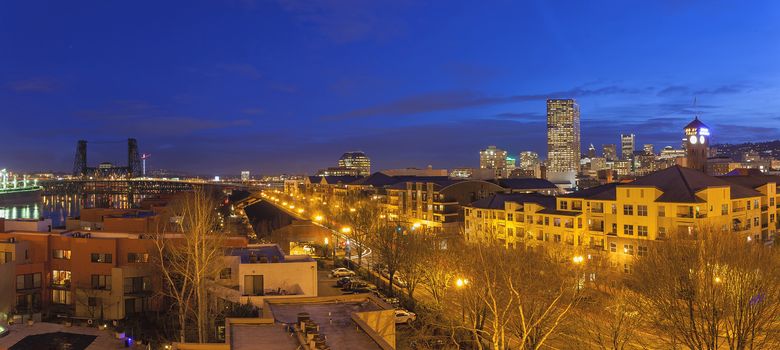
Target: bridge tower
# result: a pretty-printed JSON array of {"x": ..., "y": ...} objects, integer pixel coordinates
[
  {"x": 80, "y": 162},
  {"x": 133, "y": 159}
]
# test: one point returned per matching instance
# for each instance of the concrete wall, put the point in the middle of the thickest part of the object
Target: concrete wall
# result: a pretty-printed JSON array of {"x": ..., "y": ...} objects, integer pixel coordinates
[
  {"x": 379, "y": 325},
  {"x": 296, "y": 277},
  {"x": 28, "y": 225}
]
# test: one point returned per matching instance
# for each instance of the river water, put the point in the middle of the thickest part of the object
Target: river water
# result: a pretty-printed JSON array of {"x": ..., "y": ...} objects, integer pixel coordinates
[{"x": 59, "y": 208}]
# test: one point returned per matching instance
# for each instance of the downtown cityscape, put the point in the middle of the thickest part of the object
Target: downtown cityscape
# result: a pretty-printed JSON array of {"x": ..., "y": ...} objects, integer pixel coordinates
[{"x": 293, "y": 175}]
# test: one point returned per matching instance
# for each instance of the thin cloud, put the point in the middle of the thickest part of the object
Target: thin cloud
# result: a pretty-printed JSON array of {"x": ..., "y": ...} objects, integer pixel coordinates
[
  {"x": 242, "y": 69},
  {"x": 34, "y": 85},
  {"x": 443, "y": 101}
]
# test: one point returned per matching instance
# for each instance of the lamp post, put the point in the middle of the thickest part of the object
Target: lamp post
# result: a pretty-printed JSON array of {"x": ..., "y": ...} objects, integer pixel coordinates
[
  {"x": 462, "y": 283},
  {"x": 325, "y": 253},
  {"x": 578, "y": 260}
]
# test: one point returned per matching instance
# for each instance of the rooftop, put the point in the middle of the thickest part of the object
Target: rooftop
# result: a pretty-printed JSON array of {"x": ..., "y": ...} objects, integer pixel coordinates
[
  {"x": 678, "y": 184},
  {"x": 497, "y": 201},
  {"x": 334, "y": 319},
  {"x": 264, "y": 253},
  {"x": 261, "y": 336}
]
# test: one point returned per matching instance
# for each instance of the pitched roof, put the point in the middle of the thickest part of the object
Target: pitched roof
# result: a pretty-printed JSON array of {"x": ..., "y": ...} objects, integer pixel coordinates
[
  {"x": 340, "y": 179},
  {"x": 678, "y": 184},
  {"x": 696, "y": 123},
  {"x": 525, "y": 184},
  {"x": 497, "y": 201},
  {"x": 751, "y": 181},
  {"x": 603, "y": 192},
  {"x": 380, "y": 179}
]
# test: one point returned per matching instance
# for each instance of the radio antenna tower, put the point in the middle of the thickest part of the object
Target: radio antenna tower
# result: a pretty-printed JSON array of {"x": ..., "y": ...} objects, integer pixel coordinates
[{"x": 144, "y": 157}]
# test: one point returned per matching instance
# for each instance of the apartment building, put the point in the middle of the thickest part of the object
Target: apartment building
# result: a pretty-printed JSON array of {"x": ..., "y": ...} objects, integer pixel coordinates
[
  {"x": 91, "y": 275},
  {"x": 621, "y": 219},
  {"x": 83, "y": 274},
  {"x": 432, "y": 203}
]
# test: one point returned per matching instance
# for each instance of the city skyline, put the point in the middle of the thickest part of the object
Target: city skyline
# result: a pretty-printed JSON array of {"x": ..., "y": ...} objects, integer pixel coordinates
[{"x": 286, "y": 87}]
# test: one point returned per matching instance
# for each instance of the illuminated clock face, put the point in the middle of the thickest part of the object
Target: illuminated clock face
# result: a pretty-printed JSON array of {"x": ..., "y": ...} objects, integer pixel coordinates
[
  {"x": 701, "y": 139},
  {"x": 693, "y": 139}
]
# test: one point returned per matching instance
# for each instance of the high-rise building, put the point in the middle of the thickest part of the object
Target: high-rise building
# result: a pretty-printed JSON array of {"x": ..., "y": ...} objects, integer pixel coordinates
[
  {"x": 697, "y": 136},
  {"x": 511, "y": 164},
  {"x": 356, "y": 160},
  {"x": 627, "y": 142},
  {"x": 493, "y": 158},
  {"x": 528, "y": 159},
  {"x": 648, "y": 149},
  {"x": 563, "y": 140},
  {"x": 610, "y": 152},
  {"x": 245, "y": 175},
  {"x": 592, "y": 151}
]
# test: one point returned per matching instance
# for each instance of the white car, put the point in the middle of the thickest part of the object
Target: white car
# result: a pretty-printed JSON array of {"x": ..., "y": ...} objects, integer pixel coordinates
[
  {"x": 398, "y": 280},
  {"x": 341, "y": 272},
  {"x": 404, "y": 316}
]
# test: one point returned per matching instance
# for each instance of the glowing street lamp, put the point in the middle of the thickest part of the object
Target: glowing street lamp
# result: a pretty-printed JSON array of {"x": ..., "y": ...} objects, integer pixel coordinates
[
  {"x": 318, "y": 218},
  {"x": 578, "y": 259},
  {"x": 461, "y": 283},
  {"x": 346, "y": 230}
]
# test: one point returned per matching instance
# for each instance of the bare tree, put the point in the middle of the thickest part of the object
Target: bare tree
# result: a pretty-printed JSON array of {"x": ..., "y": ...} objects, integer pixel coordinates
[
  {"x": 193, "y": 257},
  {"x": 714, "y": 291},
  {"x": 440, "y": 272},
  {"x": 613, "y": 324},
  {"x": 389, "y": 240},
  {"x": 413, "y": 265},
  {"x": 516, "y": 297},
  {"x": 361, "y": 214}
]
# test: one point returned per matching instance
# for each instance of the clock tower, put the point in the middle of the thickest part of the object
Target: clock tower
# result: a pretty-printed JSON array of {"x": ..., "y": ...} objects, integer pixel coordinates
[{"x": 697, "y": 144}]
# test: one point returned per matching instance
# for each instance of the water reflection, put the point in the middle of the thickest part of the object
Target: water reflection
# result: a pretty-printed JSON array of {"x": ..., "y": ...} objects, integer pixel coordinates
[{"x": 60, "y": 207}]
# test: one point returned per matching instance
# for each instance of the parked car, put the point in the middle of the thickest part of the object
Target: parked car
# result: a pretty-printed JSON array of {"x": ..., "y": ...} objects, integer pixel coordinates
[
  {"x": 341, "y": 272},
  {"x": 398, "y": 280},
  {"x": 357, "y": 284},
  {"x": 358, "y": 290},
  {"x": 404, "y": 316},
  {"x": 341, "y": 282},
  {"x": 392, "y": 301}
]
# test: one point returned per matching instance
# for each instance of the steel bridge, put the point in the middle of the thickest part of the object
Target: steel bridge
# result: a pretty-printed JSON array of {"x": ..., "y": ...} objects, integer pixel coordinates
[{"x": 130, "y": 187}]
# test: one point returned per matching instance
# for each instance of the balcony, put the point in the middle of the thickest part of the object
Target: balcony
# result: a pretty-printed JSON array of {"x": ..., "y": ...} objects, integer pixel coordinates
[
  {"x": 60, "y": 285},
  {"x": 597, "y": 210}
]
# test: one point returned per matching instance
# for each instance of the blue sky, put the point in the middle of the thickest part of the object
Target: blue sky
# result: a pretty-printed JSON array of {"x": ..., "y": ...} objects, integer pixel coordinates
[{"x": 287, "y": 86}]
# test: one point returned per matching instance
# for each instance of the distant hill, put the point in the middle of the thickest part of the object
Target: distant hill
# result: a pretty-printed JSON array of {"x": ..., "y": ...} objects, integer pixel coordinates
[{"x": 735, "y": 151}]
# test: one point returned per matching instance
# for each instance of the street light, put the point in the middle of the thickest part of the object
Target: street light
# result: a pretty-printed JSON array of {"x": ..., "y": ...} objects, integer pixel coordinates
[
  {"x": 346, "y": 229},
  {"x": 461, "y": 283},
  {"x": 318, "y": 218},
  {"x": 325, "y": 253},
  {"x": 578, "y": 260}
]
